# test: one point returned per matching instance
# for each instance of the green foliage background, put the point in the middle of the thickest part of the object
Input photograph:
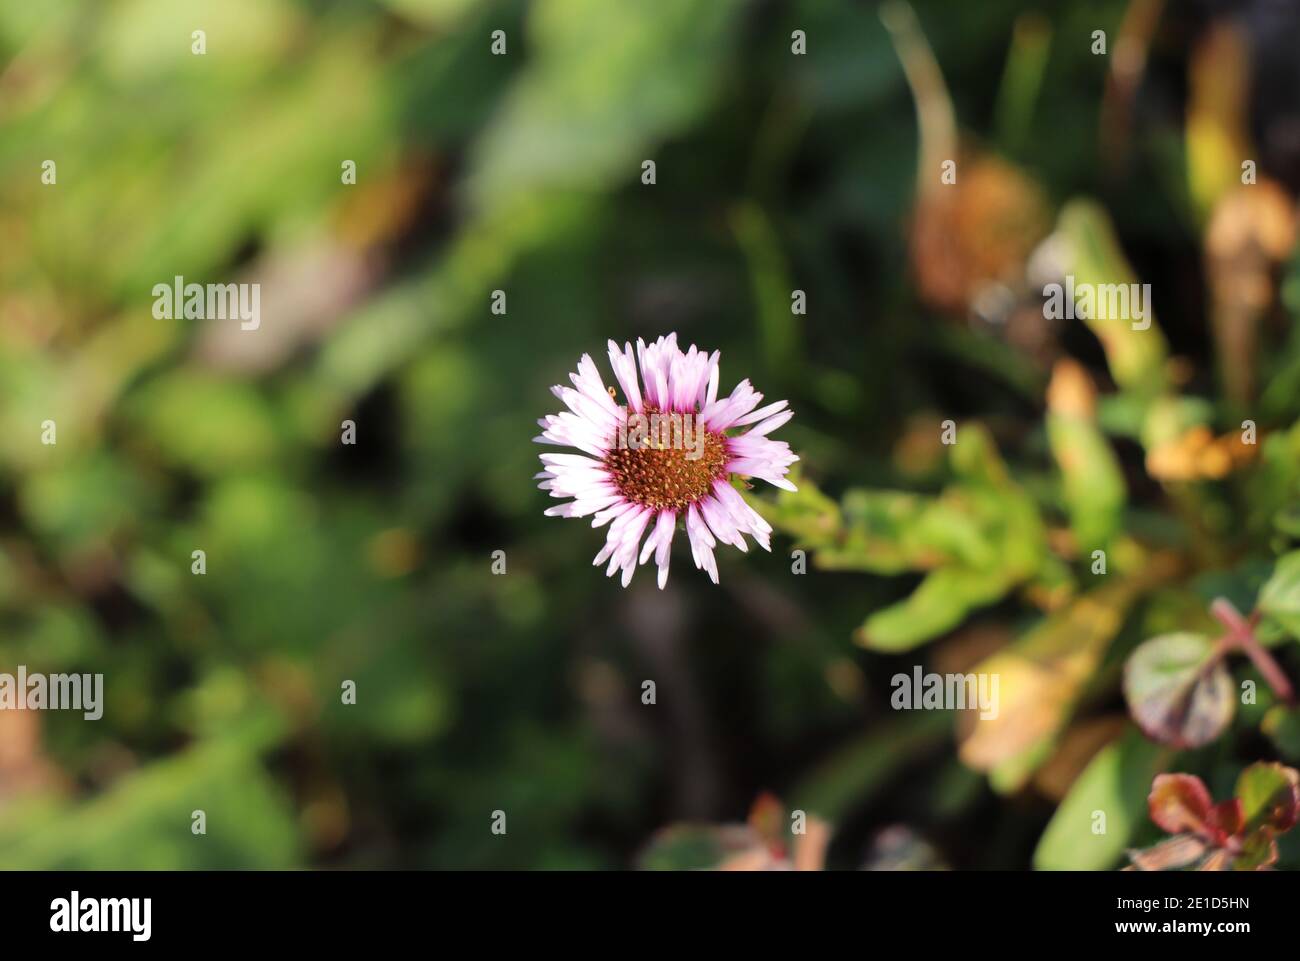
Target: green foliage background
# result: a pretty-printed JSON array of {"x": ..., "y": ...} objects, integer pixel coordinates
[{"x": 372, "y": 563}]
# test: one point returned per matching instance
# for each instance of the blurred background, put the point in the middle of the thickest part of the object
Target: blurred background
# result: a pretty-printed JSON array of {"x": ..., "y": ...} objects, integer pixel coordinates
[{"x": 777, "y": 169}]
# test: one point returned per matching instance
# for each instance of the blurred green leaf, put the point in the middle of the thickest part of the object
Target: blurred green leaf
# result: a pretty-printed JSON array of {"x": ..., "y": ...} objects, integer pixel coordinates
[
  {"x": 1269, "y": 796},
  {"x": 978, "y": 539},
  {"x": 1094, "y": 487},
  {"x": 144, "y": 822},
  {"x": 1282, "y": 725},
  {"x": 1094, "y": 257},
  {"x": 1114, "y": 785},
  {"x": 942, "y": 601},
  {"x": 1280, "y": 596}
]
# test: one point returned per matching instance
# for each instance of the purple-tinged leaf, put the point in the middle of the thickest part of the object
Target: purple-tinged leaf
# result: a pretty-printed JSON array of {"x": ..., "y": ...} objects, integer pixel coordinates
[{"x": 1178, "y": 691}]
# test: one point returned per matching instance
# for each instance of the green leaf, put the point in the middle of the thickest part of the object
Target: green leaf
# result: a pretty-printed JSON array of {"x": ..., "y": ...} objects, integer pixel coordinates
[
  {"x": 883, "y": 534},
  {"x": 1093, "y": 485},
  {"x": 600, "y": 81},
  {"x": 1114, "y": 784},
  {"x": 1282, "y": 725},
  {"x": 1178, "y": 690},
  {"x": 975, "y": 459},
  {"x": 1269, "y": 796},
  {"x": 143, "y": 821},
  {"x": 1258, "y": 851},
  {"x": 806, "y": 514},
  {"x": 979, "y": 539},
  {"x": 1279, "y": 598},
  {"x": 206, "y": 424},
  {"x": 1136, "y": 357},
  {"x": 942, "y": 602}
]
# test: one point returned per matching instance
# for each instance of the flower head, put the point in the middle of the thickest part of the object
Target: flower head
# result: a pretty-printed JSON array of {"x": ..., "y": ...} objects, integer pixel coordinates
[{"x": 667, "y": 454}]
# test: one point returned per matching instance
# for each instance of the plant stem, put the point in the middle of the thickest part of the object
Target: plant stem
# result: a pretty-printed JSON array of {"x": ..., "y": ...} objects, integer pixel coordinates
[{"x": 1241, "y": 636}]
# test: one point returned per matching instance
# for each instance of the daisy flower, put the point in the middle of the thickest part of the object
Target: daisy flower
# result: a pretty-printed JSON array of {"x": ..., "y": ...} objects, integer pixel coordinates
[{"x": 666, "y": 455}]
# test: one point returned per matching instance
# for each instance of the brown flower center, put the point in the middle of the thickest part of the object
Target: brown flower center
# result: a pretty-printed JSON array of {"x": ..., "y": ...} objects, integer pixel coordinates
[{"x": 662, "y": 464}]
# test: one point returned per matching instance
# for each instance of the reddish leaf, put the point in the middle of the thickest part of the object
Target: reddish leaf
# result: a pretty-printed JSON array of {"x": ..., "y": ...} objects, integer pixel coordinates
[
  {"x": 1178, "y": 691},
  {"x": 1239, "y": 834},
  {"x": 1225, "y": 820},
  {"x": 767, "y": 821},
  {"x": 1180, "y": 802}
]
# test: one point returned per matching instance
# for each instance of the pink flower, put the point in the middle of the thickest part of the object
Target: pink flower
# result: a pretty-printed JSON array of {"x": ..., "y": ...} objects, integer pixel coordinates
[{"x": 664, "y": 456}]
